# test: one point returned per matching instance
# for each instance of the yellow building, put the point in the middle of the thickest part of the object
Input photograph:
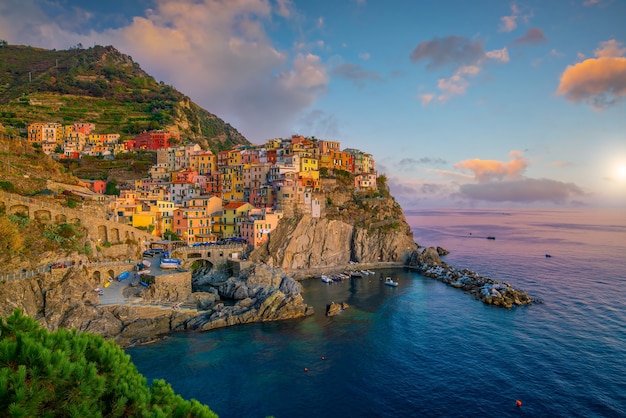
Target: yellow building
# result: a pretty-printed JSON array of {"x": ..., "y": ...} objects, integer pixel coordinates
[
  {"x": 232, "y": 215},
  {"x": 45, "y": 132},
  {"x": 232, "y": 182},
  {"x": 204, "y": 162}
]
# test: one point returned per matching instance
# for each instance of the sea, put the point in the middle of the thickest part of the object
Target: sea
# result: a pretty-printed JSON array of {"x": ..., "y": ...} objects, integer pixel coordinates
[{"x": 425, "y": 349}]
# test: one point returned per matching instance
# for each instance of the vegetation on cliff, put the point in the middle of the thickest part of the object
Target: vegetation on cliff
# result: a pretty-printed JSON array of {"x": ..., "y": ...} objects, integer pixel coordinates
[
  {"x": 67, "y": 373},
  {"x": 102, "y": 86}
]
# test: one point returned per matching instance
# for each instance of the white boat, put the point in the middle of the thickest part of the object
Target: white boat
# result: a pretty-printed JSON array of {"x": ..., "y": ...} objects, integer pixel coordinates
[
  {"x": 327, "y": 279},
  {"x": 389, "y": 282},
  {"x": 170, "y": 263}
]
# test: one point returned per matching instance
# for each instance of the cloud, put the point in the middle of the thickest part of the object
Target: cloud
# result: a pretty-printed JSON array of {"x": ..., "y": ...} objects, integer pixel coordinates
[
  {"x": 426, "y": 98},
  {"x": 501, "y": 55},
  {"x": 588, "y": 3},
  {"x": 320, "y": 124},
  {"x": 533, "y": 36},
  {"x": 600, "y": 82},
  {"x": 610, "y": 48},
  {"x": 488, "y": 170},
  {"x": 466, "y": 57},
  {"x": 457, "y": 84},
  {"x": 217, "y": 52},
  {"x": 509, "y": 23},
  {"x": 365, "y": 56},
  {"x": 452, "y": 50},
  {"x": 285, "y": 8},
  {"x": 410, "y": 163},
  {"x": 525, "y": 190},
  {"x": 355, "y": 73}
]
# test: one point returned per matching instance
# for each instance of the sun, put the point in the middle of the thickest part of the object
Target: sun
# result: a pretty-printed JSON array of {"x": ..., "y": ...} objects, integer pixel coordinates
[{"x": 621, "y": 172}]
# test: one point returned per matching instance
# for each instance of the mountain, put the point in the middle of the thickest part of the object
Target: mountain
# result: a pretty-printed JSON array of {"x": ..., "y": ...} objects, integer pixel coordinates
[{"x": 102, "y": 86}]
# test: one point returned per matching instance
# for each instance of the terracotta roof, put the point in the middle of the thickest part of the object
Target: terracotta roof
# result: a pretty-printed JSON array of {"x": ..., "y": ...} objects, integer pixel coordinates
[{"x": 234, "y": 205}]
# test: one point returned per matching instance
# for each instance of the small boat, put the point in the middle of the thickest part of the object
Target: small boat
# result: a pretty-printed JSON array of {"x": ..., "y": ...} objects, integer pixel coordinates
[
  {"x": 548, "y": 256},
  {"x": 389, "y": 282},
  {"x": 491, "y": 237},
  {"x": 326, "y": 279},
  {"x": 170, "y": 263},
  {"x": 123, "y": 276},
  {"x": 356, "y": 274}
]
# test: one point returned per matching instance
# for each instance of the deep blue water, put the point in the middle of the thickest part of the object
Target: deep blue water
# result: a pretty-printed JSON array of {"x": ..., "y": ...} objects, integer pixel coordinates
[{"x": 426, "y": 349}]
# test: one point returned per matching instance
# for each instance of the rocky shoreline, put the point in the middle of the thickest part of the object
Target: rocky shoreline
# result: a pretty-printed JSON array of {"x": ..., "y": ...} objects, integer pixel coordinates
[{"x": 491, "y": 292}]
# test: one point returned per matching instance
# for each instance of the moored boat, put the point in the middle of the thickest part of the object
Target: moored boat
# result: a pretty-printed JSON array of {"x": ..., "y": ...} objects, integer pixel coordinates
[
  {"x": 326, "y": 279},
  {"x": 390, "y": 282}
]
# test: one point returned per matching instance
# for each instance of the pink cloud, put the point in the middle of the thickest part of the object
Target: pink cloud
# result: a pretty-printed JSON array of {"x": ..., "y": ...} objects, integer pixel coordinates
[
  {"x": 599, "y": 82},
  {"x": 487, "y": 170}
]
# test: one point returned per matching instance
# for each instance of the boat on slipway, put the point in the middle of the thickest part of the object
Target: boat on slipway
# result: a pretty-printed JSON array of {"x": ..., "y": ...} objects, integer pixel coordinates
[
  {"x": 326, "y": 279},
  {"x": 170, "y": 263}
]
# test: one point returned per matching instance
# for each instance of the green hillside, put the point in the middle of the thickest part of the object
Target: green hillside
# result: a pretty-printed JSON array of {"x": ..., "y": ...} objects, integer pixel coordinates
[{"x": 102, "y": 86}]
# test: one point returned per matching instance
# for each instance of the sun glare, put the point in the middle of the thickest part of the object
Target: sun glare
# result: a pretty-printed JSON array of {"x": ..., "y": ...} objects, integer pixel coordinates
[{"x": 621, "y": 172}]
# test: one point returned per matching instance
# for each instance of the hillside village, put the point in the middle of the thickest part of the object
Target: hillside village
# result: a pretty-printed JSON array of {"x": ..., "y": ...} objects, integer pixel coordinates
[{"x": 199, "y": 197}]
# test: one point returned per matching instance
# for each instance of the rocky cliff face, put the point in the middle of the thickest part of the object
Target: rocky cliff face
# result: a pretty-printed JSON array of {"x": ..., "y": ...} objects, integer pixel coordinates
[
  {"x": 259, "y": 294},
  {"x": 309, "y": 242}
]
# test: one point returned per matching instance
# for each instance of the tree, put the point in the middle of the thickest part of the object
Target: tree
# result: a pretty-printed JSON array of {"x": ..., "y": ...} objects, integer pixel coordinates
[
  {"x": 111, "y": 188},
  {"x": 71, "y": 373}
]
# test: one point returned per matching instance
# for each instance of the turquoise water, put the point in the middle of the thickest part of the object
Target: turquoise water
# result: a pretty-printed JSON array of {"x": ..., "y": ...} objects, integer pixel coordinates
[{"x": 426, "y": 349}]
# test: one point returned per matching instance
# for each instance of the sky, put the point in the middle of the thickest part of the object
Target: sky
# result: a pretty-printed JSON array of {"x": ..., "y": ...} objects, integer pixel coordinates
[{"x": 463, "y": 104}]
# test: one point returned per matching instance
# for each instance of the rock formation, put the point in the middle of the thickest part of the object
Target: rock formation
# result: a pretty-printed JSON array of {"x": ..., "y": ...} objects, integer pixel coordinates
[
  {"x": 334, "y": 308},
  {"x": 489, "y": 291},
  {"x": 69, "y": 301},
  {"x": 307, "y": 242}
]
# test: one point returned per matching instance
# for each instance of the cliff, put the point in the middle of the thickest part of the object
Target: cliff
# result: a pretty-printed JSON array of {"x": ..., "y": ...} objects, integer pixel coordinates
[
  {"x": 56, "y": 301},
  {"x": 358, "y": 227},
  {"x": 310, "y": 243}
]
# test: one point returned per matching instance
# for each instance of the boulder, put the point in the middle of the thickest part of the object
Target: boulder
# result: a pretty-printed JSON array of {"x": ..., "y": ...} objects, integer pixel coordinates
[{"x": 334, "y": 308}]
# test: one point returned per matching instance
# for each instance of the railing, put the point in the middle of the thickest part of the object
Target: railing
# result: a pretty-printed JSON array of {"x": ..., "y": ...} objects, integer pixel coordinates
[{"x": 62, "y": 264}]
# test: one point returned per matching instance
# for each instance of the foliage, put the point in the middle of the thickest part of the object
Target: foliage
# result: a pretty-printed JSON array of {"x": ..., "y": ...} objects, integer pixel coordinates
[
  {"x": 100, "y": 85},
  {"x": 169, "y": 235},
  {"x": 111, "y": 188},
  {"x": 8, "y": 186},
  {"x": 11, "y": 240},
  {"x": 66, "y": 235},
  {"x": 67, "y": 373}
]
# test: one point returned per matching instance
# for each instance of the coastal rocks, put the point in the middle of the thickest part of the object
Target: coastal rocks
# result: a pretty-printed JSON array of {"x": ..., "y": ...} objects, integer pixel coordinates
[
  {"x": 309, "y": 243},
  {"x": 334, "y": 308},
  {"x": 429, "y": 256},
  {"x": 442, "y": 251},
  {"x": 487, "y": 290},
  {"x": 69, "y": 301}
]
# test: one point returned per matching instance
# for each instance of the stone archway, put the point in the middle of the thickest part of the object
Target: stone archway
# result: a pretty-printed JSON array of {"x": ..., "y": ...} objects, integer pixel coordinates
[
  {"x": 43, "y": 215},
  {"x": 96, "y": 276},
  {"x": 115, "y": 235},
  {"x": 60, "y": 218},
  {"x": 102, "y": 234},
  {"x": 23, "y": 209}
]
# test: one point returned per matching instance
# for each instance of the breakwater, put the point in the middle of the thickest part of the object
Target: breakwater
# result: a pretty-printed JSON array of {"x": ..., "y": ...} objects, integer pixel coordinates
[{"x": 489, "y": 291}]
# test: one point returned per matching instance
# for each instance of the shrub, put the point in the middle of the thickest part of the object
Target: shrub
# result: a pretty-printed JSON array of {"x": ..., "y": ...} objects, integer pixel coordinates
[{"x": 67, "y": 373}]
